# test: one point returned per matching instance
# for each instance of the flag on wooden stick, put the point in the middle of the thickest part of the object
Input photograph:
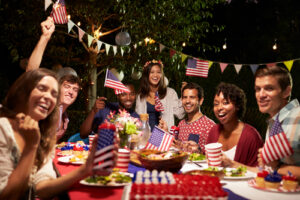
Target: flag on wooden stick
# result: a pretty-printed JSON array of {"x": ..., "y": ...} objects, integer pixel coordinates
[
  {"x": 196, "y": 67},
  {"x": 159, "y": 140},
  {"x": 59, "y": 12},
  {"x": 277, "y": 145},
  {"x": 158, "y": 105},
  {"x": 113, "y": 82}
]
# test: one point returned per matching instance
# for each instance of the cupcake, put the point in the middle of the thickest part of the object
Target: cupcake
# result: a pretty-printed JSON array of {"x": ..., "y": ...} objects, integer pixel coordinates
[
  {"x": 272, "y": 180},
  {"x": 289, "y": 182},
  {"x": 260, "y": 178}
]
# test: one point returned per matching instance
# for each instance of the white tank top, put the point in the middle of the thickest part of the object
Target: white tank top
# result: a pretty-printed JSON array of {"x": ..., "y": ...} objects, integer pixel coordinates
[{"x": 230, "y": 153}]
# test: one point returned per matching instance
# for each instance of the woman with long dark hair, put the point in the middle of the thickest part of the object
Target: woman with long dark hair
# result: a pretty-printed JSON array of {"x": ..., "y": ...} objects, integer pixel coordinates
[
  {"x": 153, "y": 84},
  {"x": 28, "y": 119}
]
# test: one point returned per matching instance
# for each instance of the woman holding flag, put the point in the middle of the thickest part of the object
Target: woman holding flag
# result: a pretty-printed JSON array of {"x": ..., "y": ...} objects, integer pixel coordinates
[{"x": 155, "y": 98}]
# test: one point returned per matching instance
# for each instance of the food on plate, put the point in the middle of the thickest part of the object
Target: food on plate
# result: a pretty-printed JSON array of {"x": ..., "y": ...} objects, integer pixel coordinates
[
  {"x": 66, "y": 150},
  {"x": 60, "y": 145},
  {"x": 78, "y": 158},
  {"x": 210, "y": 171},
  {"x": 113, "y": 179},
  {"x": 273, "y": 180},
  {"x": 160, "y": 155},
  {"x": 260, "y": 178},
  {"x": 196, "y": 157},
  {"x": 289, "y": 182},
  {"x": 238, "y": 172}
]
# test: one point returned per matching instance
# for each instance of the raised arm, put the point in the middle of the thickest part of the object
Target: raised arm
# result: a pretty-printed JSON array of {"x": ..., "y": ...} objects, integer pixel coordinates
[
  {"x": 36, "y": 56},
  {"x": 86, "y": 126}
]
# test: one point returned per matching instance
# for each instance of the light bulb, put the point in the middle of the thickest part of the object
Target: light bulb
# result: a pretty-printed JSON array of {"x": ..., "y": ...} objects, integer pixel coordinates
[
  {"x": 224, "y": 46},
  {"x": 183, "y": 44},
  {"x": 275, "y": 46},
  {"x": 78, "y": 23},
  {"x": 69, "y": 17}
]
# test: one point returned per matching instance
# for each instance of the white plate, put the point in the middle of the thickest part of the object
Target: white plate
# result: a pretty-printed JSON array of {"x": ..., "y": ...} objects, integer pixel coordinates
[
  {"x": 110, "y": 184},
  {"x": 280, "y": 189},
  {"x": 247, "y": 175},
  {"x": 66, "y": 159},
  {"x": 197, "y": 161}
]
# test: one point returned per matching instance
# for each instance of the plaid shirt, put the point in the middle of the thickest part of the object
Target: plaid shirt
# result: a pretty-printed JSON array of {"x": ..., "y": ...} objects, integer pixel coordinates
[{"x": 289, "y": 117}]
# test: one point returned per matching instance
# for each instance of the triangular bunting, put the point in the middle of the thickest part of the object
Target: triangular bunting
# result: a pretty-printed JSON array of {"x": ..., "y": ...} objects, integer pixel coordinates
[
  {"x": 289, "y": 64},
  {"x": 90, "y": 40},
  {"x": 254, "y": 68},
  {"x": 223, "y": 66},
  {"x": 122, "y": 51},
  {"x": 237, "y": 68},
  {"x": 209, "y": 64},
  {"x": 99, "y": 44},
  {"x": 172, "y": 52},
  {"x": 107, "y": 47},
  {"x": 47, "y": 4},
  {"x": 80, "y": 34},
  {"x": 183, "y": 57},
  {"x": 161, "y": 47},
  {"x": 70, "y": 25},
  {"x": 115, "y": 49}
]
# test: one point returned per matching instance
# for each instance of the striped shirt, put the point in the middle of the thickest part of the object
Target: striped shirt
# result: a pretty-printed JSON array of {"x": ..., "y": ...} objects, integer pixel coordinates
[{"x": 289, "y": 117}]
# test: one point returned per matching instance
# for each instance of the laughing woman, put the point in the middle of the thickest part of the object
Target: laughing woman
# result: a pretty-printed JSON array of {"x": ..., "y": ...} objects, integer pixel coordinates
[
  {"x": 152, "y": 83},
  {"x": 240, "y": 140},
  {"x": 28, "y": 119}
]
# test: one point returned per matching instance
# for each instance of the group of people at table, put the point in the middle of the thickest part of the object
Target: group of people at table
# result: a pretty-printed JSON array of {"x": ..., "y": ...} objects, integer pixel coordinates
[{"x": 35, "y": 109}]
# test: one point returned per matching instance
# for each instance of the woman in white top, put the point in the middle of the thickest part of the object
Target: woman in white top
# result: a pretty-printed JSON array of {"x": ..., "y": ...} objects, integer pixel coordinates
[
  {"x": 152, "y": 83},
  {"x": 28, "y": 121}
]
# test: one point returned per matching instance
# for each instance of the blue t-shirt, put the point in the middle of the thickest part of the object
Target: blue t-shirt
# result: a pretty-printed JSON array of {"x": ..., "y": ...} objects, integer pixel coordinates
[{"x": 101, "y": 115}]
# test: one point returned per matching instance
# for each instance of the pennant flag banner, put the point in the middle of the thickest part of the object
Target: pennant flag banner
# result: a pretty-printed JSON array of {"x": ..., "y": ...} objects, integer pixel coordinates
[
  {"x": 159, "y": 140},
  {"x": 289, "y": 64},
  {"x": 158, "y": 105},
  {"x": 223, "y": 66},
  {"x": 113, "y": 82},
  {"x": 59, "y": 12},
  {"x": 277, "y": 145},
  {"x": 237, "y": 68},
  {"x": 196, "y": 67}
]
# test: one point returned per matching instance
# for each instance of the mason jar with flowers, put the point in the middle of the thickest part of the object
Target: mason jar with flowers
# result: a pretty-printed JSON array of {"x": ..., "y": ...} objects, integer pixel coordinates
[{"x": 127, "y": 127}]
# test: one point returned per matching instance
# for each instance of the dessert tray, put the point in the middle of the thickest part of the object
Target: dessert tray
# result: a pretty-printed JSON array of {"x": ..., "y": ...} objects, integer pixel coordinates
[{"x": 252, "y": 183}]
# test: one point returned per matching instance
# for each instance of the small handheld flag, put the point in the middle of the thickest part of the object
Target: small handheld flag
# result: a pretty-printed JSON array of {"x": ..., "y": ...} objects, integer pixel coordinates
[
  {"x": 196, "y": 67},
  {"x": 113, "y": 82},
  {"x": 159, "y": 140},
  {"x": 105, "y": 145},
  {"x": 59, "y": 12},
  {"x": 277, "y": 145},
  {"x": 158, "y": 105}
]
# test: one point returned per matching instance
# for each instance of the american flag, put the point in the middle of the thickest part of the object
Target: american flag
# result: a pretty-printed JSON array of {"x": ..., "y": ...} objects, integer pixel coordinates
[
  {"x": 277, "y": 145},
  {"x": 158, "y": 105},
  {"x": 159, "y": 140},
  {"x": 104, "y": 154},
  {"x": 59, "y": 12},
  {"x": 196, "y": 67},
  {"x": 112, "y": 82}
]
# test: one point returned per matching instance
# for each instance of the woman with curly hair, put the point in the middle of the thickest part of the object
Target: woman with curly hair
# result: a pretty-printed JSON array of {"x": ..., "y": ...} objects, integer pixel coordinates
[
  {"x": 153, "y": 84},
  {"x": 28, "y": 119},
  {"x": 240, "y": 140}
]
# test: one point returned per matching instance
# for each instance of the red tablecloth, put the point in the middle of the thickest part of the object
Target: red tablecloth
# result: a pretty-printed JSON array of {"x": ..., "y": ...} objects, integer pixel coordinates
[{"x": 82, "y": 192}]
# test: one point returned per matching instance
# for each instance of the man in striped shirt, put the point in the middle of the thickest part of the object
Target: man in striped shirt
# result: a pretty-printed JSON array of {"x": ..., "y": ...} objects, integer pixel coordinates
[{"x": 273, "y": 87}]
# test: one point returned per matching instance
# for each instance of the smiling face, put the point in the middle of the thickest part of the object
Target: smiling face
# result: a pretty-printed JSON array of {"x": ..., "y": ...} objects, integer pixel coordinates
[
  {"x": 190, "y": 101},
  {"x": 269, "y": 95},
  {"x": 43, "y": 98},
  {"x": 225, "y": 111},
  {"x": 155, "y": 75},
  {"x": 68, "y": 93},
  {"x": 127, "y": 100}
]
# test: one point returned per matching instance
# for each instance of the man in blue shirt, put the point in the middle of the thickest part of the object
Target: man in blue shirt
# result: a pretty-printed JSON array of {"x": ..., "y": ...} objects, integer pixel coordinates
[{"x": 101, "y": 110}]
